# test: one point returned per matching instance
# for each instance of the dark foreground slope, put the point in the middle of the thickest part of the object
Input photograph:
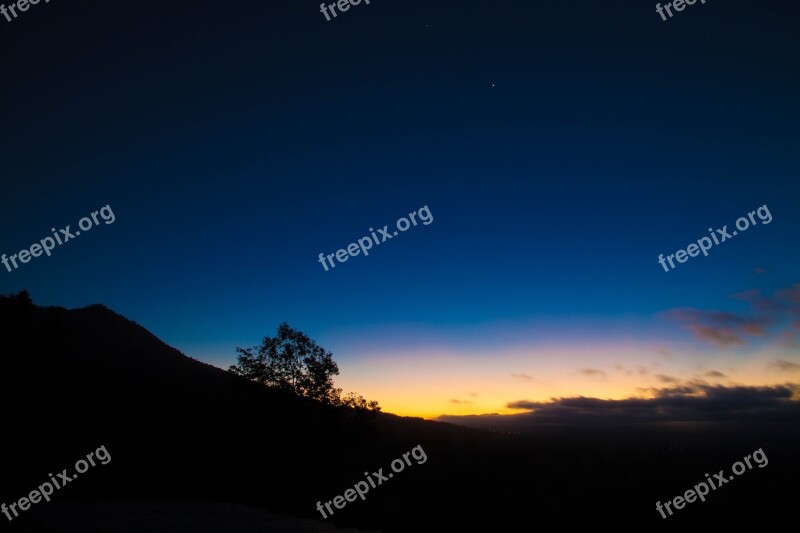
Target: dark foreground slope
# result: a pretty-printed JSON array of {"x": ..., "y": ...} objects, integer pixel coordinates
[{"x": 180, "y": 430}]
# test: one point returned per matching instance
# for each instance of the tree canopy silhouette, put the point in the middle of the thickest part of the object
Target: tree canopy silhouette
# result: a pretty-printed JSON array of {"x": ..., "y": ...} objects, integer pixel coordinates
[{"x": 293, "y": 362}]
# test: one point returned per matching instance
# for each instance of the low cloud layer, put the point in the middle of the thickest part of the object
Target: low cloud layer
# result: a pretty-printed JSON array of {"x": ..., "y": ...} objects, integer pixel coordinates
[
  {"x": 786, "y": 366},
  {"x": 697, "y": 402}
]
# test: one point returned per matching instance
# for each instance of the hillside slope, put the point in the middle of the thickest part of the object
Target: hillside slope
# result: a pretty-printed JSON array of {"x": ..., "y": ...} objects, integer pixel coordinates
[{"x": 178, "y": 430}]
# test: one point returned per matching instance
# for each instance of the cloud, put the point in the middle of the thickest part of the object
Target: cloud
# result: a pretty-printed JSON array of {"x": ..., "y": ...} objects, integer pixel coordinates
[
  {"x": 727, "y": 328},
  {"x": 784, "y": 365},
  {"x": 790, "y": 295},
  {"x": 788, "y": 339},
  {"x": 721, "y": 327},
  {"x": 760, "y": 270},
  {"x": 699, "y": 402},
  {"x": 722, "y": 319},
  {"x": 663, "y": 352},
  {"x": 524, "y": 377},
  {"x": 591, "y": 372},
  {"x": 641, "y": 370},
  {"x": 756, "y": 300},
  {"x": 720, "y": 336},
  {"x": 667, "y": 379},
  {"x": 714, "y": 374},
  {"x": 453, "y": 400}
]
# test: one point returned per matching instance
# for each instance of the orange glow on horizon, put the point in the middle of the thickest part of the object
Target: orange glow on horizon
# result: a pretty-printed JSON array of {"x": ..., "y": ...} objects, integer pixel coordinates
[{"x": 434, "y": 384}]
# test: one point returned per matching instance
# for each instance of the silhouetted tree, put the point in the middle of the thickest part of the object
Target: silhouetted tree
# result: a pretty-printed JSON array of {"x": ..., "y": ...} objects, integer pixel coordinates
[
  {"x": 290, "y": 361},
  {"x": 358, "y": 402},
  {"x": 16, "y": 313},
  {"x": 22, "y": 299},
  {"x": 293, "y": 362}
]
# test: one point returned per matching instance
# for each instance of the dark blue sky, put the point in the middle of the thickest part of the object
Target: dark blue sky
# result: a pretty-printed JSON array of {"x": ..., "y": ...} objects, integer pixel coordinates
[{"x": 559, "y": 146}]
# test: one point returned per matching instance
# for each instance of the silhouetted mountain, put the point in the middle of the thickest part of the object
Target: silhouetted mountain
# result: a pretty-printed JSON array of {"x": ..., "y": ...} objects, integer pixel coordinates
[{"x": 181, "y": 430}]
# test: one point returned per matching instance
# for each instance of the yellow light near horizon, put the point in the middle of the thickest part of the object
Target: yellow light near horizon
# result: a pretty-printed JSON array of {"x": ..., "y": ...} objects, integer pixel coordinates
[{"x": 436, "y": 384}]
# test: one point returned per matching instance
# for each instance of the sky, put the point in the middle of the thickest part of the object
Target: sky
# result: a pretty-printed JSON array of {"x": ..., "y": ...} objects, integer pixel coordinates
[{"x": 559, "y": 148}]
